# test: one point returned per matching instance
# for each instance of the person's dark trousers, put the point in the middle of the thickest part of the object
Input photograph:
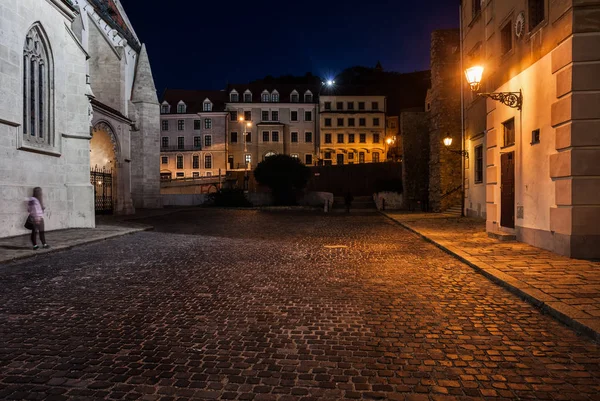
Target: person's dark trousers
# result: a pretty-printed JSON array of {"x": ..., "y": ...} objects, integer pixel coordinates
[{"x": 38, "y": 227}]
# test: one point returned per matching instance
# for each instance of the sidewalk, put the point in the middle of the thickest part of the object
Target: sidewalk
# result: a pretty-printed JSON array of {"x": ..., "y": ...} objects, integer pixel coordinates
[
  {"x": 567, "y": 289},
  {"x": 13, "y": 248}
]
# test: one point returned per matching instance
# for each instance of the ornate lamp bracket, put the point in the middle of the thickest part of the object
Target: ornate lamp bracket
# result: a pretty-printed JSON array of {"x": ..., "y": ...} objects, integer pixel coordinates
[
  {"x": 511, "y": 99},
  {"x": 463, "y": 153}
]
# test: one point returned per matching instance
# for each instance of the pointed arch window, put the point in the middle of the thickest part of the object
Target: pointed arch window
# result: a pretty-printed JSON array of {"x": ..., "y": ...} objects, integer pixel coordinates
[{"x": 37, "y": 89}]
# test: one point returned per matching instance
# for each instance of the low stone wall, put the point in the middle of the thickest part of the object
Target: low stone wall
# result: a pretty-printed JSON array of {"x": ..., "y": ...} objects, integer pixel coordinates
[
  {"x": 183, "y": 199},
  {"x": 391, "y": 200}
]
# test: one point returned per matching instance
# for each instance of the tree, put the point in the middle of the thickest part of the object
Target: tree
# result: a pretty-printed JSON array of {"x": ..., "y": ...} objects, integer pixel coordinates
[{"x": 284, "y": 175}]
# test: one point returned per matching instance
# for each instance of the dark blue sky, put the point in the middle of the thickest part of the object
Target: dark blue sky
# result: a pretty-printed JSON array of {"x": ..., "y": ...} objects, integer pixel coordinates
[{"x": 203, "y": 44}]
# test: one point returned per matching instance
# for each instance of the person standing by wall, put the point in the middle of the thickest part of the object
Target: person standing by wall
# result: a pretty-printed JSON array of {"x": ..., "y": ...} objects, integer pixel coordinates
[{"x": 35, "y": 207}]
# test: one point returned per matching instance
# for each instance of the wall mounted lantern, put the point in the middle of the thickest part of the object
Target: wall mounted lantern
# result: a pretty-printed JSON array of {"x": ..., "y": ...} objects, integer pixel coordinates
[
  {"x": 448, "y": 143},
  {"x": 511, "y": 99}
]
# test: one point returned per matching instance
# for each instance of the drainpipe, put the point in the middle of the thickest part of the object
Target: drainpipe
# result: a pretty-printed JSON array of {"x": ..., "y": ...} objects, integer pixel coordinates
[{"x": 462, "y": 116}]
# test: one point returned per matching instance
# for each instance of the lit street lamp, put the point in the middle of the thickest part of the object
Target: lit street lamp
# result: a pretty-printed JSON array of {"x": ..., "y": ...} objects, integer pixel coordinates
[
  {"x": 511, "y": 99},
  {"x": 448, "y": 143}
]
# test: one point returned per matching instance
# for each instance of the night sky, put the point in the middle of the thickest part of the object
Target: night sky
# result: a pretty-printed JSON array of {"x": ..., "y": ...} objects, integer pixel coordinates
[{"x": 204, "y": 44}]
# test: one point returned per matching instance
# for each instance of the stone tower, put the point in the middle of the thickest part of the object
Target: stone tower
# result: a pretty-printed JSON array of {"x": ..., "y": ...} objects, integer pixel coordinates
[{"x": 145, "y": 137}]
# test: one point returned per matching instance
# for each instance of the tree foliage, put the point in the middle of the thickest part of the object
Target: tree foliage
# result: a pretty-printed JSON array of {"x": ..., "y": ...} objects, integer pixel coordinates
[{"x": 284, "y": 175}]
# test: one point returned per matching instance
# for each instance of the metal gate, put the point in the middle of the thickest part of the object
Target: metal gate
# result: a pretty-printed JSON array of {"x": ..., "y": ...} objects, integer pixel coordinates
[{"x": 101, "y": 179}]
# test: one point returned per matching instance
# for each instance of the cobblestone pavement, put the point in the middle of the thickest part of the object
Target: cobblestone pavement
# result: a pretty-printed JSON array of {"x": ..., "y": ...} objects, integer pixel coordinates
[
  {"x": 277, "y": 306},
  {"x": 569, "y": 288}
]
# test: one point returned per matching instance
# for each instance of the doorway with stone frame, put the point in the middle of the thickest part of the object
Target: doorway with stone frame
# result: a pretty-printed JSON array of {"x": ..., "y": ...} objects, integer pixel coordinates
[{"x": 104, "y": 156}]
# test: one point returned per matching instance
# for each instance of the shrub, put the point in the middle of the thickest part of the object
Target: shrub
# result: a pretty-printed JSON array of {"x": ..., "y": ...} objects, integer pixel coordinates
[
  {"x": 228, "y": 197},
  {"x": 284, "y": 175}
]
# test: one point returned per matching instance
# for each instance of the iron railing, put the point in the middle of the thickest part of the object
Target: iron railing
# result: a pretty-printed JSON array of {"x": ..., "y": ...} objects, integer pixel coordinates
[{"x": 101, "y": 179}]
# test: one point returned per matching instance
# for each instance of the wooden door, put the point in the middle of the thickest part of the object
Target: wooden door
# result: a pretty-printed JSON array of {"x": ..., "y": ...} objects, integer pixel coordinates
[{"x": 507, "y": 190}]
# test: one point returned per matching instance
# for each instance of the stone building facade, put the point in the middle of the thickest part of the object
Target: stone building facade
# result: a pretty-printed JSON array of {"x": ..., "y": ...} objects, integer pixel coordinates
[
  {"x": 539, "y": 164},
  {"x": 193, "y": 131},
  {"x": 352, "y": 129},
  {"x": 44, "y": 133},
  {"x": 443, "y": 106},
  {"x": 415, "y": 164},
  {"x": 270, "y": 119}
]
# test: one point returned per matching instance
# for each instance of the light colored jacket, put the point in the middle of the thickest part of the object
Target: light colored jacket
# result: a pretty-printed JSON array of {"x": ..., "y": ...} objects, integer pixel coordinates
[{"x": 35, "y": 208}]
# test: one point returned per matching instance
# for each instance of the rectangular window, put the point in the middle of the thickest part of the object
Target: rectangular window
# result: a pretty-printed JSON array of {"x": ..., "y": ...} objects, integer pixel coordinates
[
  {"x": 361, "y": 157},
  {"x": 181, "y": 108},
  {"x": 233, "y": 115},
  {"x": 234, "y": 97},
  {"x": 248, "y": 159},
  {"x": 327, "y": 155},
  {"x": 207, "y": 123},
  {"x": 180, "y": 175},
  {"x": 375, "y": 157},
  {"x": 196, "y": 124},
  {"x": 275, "y": 136},
  {"x": 264, "y": 115},
  {"x": 165, "y": 125},
  {"x": 208, "y": 173},
  {"x": 351, "y": 156},
  {"x": 294, "y": 155},
  {"x": 328, "y": 122},
  {"x": 506, "y": 41},
  {"x": 308, "y": 116},
  {"x": 207, "y": 106},
  {"x": 340, "y": 158},
  {"x": 164, "y": 160},
  {"x": 275, "y": 98},
  {"x": 374, "y": 105},
  {"x": 375, "y": 138},
  {"x": 294, "y": 115},
  {"x": 339, "y": 106},
  {"x": 180, "y": 142},
  {"x": 537, "y": 13},
  {"x": 308, "y": 137},
  {"x": 340, "y": 122},
  {"x": 350, "y": 105},
  {"x": 248, "y": 136},
  {"x": 180, "y": 125},
  {"x": 248, "y": 115},
  {"x": 478, "y": 164},
  {"x": 207, "y": 162},
  {"x": 362, "y": 122},
  {"x": 233, "y": 137},
  {"x": 509, "y": 132},
  {"x": 351, "y": 122},
  {"x": 165, "y": 142},
  {"x": 265, "y": 97},
  {"x": 362, "y": 138},
  {"x": 376, "y": 122},
  {"x": 327, "y": 138},
  {"x": 197, "y": 142},
  {"x": 195, "y": 161},
  {"x": 179, "y": 162},
  {"x": 327, "y": 105},
  {"x": 294, "y": 137},
  {"x": 247, "y": 97},
  {"x": 207, "y": 140},
  {"x": 195, "y": 174},
  {"x": 535, "y": 136},
  {"x": 340, "y": 138},
  {"x": 274, "y": 115},
  {"x": 265, "y": 136},
  {"x": 308, "y": 98},
  {"x": 361, "y": 105},
  {"x": 308, "y": 159},
  {"x": 164, "y": 109},
  {"x": 295, "y": 98},
  {"x": 350, "y": 138}
]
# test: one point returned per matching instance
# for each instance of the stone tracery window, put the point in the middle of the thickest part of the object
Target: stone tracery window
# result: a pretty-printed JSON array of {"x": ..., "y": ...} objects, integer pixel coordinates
[{"x": 37, "y": 89}]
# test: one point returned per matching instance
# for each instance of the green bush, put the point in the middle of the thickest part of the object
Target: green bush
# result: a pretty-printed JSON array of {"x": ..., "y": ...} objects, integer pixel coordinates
[
  {"x": 284, "y": 175},
  {"x": 228, "y": 197}
]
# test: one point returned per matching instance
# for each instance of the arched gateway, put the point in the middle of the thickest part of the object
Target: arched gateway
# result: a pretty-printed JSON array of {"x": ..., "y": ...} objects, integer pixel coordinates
[{"x": 104, "y": 156}]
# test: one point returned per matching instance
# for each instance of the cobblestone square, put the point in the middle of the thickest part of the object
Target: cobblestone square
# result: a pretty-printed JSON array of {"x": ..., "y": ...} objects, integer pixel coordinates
[{"x": 280, "y": 305}]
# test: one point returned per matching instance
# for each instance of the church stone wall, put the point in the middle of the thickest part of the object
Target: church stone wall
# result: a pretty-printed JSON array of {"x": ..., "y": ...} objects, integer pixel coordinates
[{"x": 64, "y": 176}]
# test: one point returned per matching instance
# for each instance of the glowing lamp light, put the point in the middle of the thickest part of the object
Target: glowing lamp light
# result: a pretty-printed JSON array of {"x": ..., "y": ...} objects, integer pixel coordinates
[
  {"x": 474, "y": 75},
  {"x": 330, "y": 82},
  {"x": 389, "y": 141},
  {"x": 248, "y": 124},
  {"x": 448, "y": 140},
  {"x": 241, "y": 119}
]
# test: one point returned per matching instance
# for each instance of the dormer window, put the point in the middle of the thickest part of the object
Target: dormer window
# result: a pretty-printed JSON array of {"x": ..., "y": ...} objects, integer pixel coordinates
[
  {"x": 265, "y": 97},
  {"x": 234, "y": 97},
  {"x": 181, "y": 108},
  {"x": 295, "y": 97},
  {"x": 207, "y": 105},
  {"x": 275, "y": 97},
  {"x": 165, "y": 108},
  {"x": 308, "y": 97},
  {"x": 247, "y": 97}
]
